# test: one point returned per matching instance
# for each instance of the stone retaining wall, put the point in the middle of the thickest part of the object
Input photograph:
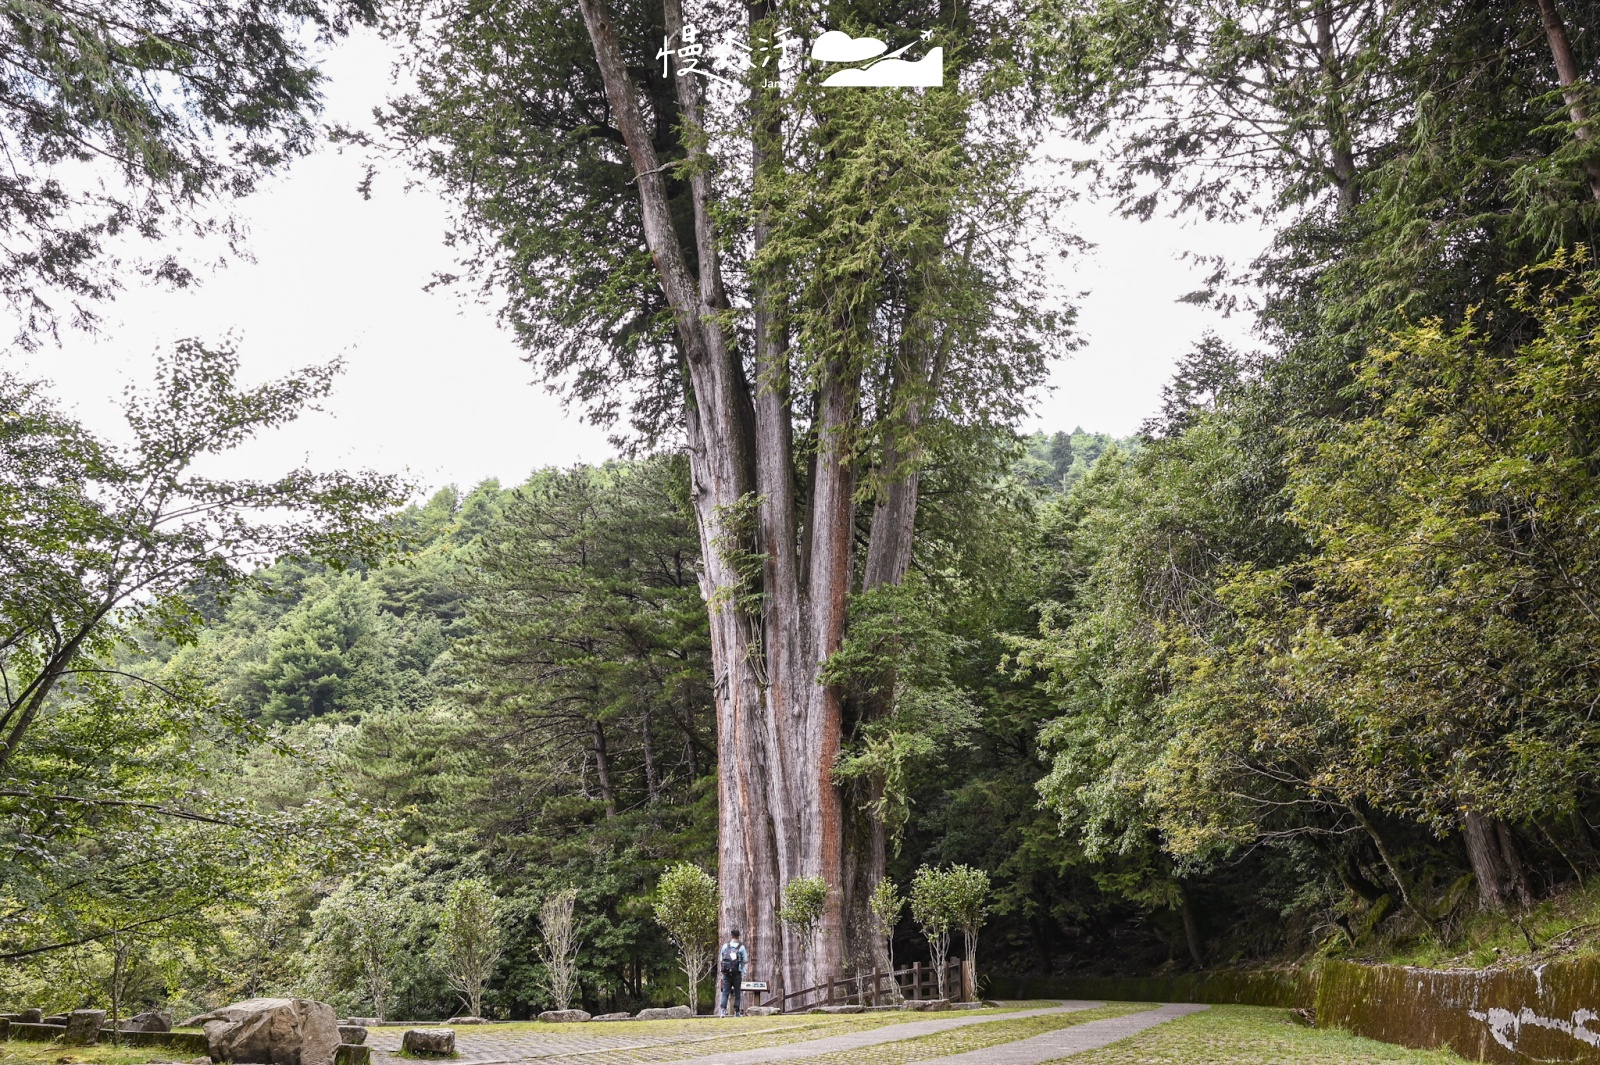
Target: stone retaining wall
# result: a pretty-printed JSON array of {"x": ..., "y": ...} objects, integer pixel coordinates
[
  {"x": 1528, "y": 1016},
  {"x": 1513, "y": 1016}
]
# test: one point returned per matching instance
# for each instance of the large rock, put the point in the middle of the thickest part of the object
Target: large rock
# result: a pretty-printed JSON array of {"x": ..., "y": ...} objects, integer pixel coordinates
[
  {"x": 847, "y": 1008},
  {"x": 83, "y": 1028},
  {"x": 31, "y": 1016},
  {"x": 468, "y": 1020},
  {"x": 354, "y": 1034},
  {"x": 613, "y": 1017},
  {"x": 926, "y": 1005},
  {"x": 271, "y": 1031},
  {"x": 563, "y": 1016},
  {"x": 429, "y": 1042},
  {"x": 149, "y": 1021},
  {"x": 760, "y": 1011},
  {"x": 666, "y": 1013}
]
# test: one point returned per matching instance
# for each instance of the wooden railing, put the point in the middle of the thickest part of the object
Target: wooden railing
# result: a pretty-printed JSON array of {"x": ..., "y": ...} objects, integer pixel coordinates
[{"x": 877, "y": 988}]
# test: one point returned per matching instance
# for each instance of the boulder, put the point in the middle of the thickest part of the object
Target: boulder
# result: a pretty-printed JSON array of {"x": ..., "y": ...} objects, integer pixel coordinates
[
  {"x": 666, "y": 1013},
  {"x": 926, "y": 1005},
  {"x": 271, "y": 1031},
  {"x": 848, "y": 1008},
  {"x": 429, "y": 1042},
  {"x": 760, "y": 1011},
  {"x": 149, "y": 1021},
  {"x": 613, "y": 1017},
  {"x": 31, "y": 1016},
  {"x": 83, "y": 1028},
  {"x": 354, "y": 1034},
  {"x": 563, "y": 1016},
  {"x": 468, "y": 1020},
  {"x": 353, "y": 1054}
]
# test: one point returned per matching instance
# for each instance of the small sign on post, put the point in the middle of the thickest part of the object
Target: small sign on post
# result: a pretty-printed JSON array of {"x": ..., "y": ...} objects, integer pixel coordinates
[{"x": 753, "y": 985}]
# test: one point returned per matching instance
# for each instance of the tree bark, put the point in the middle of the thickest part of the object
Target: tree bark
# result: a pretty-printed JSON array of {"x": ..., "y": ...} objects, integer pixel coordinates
[
  {"x": 1401, "y": 880},
  {"x": 1570, "y": 77},
  {"x": 602, "y": 768},
  {"x": 652, "y": 775},
  {"x": 1191, "y": 926},
  {"x": 1341, "y": 152},
  {"x": 1502, "y": 884}
]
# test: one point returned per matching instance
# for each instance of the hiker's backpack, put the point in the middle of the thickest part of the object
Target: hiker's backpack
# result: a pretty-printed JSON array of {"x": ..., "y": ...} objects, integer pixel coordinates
[{"x": 730, "y": 959}]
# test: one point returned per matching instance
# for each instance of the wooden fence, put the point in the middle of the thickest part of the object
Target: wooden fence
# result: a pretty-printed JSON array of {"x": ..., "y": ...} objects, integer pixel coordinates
[{"x": 919, "y": 983}]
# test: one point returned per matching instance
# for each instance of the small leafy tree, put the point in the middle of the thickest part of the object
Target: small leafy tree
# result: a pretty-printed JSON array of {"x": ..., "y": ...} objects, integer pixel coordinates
[
  {"x": 687, "y": 902},
  {"x": 886, "y": 904},
  {"x": 805, "y": 900},
  {"x": 968, "y": 893},
  {"x": 469, "y": 942},
  {"x": 558, "y": 949},
  {"x": 932, "y": 892},
  {"x": 359, "y": 936}
]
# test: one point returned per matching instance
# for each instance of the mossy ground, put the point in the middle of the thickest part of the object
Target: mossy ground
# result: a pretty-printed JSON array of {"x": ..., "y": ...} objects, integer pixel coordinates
[
  {"x": 1564, "y": 925},
  {"x": 19, "y": 1052},
  {"x": 1251, "y": 1035}
]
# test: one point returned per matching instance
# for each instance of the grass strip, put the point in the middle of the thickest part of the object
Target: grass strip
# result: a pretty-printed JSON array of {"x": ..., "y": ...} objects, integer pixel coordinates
[
  {"x": 22, "y": 1052},
  {"x": 972, "y": 1037},
  {"x": 1251, "y": 1035}
]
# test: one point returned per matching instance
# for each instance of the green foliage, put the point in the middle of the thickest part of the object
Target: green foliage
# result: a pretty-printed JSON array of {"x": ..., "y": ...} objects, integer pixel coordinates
[
  {"x": 1428, "y": 658},
  {"x": 935, "y": 896},
  {"x": 687, "y": 905},
  {"x": 897, "y": 654},
  {"x": 804, "y": 901},
  {"x": 119, "y": 801},
  {"x": 1057, "y": 461},
  {"x": 361, "y": 939},
  {"x": 469, "y": 941},
  {"x": 174, "y": 107},
  {"x": 887, "y": 904}
]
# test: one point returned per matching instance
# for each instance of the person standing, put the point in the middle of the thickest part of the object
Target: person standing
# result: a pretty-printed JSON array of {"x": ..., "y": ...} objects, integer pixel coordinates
[{"x": 732, "y": 960}]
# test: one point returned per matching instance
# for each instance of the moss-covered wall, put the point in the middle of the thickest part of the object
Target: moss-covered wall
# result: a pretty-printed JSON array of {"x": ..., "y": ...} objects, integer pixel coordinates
[
  {"x": 1515, "y": 1016},
  {"x": 1266, "y": 987}
]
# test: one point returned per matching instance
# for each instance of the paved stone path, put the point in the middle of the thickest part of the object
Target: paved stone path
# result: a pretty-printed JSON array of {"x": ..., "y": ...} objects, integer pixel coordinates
[
  {"x": 872, "y": 1037},
  {"x": 502, "y": 1048},
  {"x": 695, "y": 1044},
  {"x": 1067, "y": 1041}
]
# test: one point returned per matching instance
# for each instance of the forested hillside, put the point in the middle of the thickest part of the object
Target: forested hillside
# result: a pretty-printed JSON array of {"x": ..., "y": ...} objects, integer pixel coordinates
[{"x": 518, "y": 692}]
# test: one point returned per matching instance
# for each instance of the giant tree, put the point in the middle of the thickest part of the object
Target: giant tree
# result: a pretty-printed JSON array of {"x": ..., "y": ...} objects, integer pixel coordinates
[{"x": 815, "y": 289}]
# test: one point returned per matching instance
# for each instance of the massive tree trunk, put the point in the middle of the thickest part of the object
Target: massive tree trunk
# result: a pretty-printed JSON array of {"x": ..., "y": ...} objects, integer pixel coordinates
[
  {"x": 777, "y": 588},
  {"x": 779, "y": 546}
]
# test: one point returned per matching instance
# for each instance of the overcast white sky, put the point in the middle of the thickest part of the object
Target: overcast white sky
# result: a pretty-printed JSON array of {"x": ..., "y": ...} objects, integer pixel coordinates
[{"x": 435, "y": 388}]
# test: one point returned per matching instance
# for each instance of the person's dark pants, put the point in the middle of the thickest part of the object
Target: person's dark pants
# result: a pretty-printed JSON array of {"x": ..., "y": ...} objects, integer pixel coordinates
[{"x": 732, "y": 997}]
